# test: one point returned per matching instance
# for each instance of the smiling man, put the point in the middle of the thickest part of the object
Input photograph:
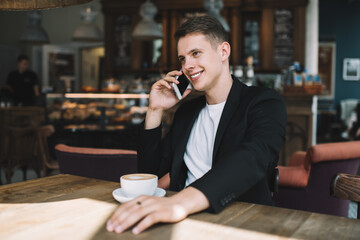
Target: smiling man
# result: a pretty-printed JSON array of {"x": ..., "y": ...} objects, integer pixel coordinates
[{"x": 221, "y": 146}]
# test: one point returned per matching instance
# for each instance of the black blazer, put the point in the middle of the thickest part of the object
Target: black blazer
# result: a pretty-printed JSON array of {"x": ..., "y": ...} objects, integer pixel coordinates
[{"x": 249, "y": 138}]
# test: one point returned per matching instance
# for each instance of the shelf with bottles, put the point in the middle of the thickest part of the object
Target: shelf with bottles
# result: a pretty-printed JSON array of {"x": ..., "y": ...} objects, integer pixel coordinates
[{"x": 298, "y": 81}]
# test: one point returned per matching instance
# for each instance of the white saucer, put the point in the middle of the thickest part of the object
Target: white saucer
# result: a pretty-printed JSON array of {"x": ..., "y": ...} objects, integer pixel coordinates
[{"x": 119, "y": 195}]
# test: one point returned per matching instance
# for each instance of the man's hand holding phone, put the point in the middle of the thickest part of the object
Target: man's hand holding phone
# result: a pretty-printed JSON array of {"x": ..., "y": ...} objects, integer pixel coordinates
[
  {"x": 182, "y": 86},
  {"x": 163, "y": 96},
  {"x": 166, "y": 92}
]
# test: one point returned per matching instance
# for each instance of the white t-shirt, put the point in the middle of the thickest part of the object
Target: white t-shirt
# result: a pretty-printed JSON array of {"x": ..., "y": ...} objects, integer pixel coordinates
[{"x": 198, "y": 156}]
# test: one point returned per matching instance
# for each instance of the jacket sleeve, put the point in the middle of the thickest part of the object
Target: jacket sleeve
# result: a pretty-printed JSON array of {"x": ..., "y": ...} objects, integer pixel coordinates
[
  {"x": 153, "y": 152},
  {"x": 242, "y": 162}
]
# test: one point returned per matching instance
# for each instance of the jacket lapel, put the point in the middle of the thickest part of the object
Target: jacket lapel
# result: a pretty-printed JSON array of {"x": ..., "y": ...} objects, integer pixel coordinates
[
  {"x": 189, "y": 121},
  {"x": 186, "y": 128},
  {"x": 232, "y": 103}
]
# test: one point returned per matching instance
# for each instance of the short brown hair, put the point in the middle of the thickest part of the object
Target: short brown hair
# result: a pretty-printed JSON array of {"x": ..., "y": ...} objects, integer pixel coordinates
[
  {"x": 22, "y": 57},
  {"x": 207, "y": 25}
]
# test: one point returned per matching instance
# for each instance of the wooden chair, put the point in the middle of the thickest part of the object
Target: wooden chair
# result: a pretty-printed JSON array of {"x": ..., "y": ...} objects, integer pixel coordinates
[
  {"x": 48, "y": 163},
  {"x": 29, "y": 116},
  {"x": 22, "y": 152},
  {"x": 346, "y": 186}
]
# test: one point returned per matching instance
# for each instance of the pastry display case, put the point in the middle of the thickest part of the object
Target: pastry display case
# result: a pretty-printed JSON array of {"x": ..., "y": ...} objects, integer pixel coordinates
[
  {"x": 103, "y": 108},
  {"x": 105, "y": 120}
]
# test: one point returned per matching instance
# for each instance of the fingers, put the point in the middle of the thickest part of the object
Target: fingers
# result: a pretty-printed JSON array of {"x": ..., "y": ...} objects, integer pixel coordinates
[
  {"x": 174, "y": 73},
  {"x": 166, "y": 81},
  {"x": 187, "y": 92},
  {"x": 120, "y": 214},
  {"x": 171, "y": 76},
  {"x": 135, "y": 216},
  {"x": 150, "y": 211},
  {"x": 162, "y": 83},
  {"x": 130, "y": 213},
  {"x": 171, "y": 80},
  {"x": 170, "y": 213},
  {"x": 147, "y": 222}
]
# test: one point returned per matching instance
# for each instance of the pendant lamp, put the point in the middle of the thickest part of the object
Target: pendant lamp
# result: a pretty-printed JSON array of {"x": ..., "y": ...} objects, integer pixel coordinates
[
  {"x": 87, "y": 31},
  {"x": 147, "y": 28},
  {"x": 37, "y": 4},
  {"x": 34, "y": 33},
  {"x": 213, "y": 8}
]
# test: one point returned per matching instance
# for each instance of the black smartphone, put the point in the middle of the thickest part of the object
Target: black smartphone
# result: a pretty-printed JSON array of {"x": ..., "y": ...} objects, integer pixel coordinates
[{"x": 184, "y": 83}]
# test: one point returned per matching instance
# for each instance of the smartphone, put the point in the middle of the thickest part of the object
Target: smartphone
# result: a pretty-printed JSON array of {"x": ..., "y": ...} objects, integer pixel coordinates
[{"x": 184, "y": 83}]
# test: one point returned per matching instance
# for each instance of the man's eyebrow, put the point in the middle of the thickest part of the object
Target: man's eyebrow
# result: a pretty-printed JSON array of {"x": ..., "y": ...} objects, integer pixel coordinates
[{"x": 191, "y": 51}]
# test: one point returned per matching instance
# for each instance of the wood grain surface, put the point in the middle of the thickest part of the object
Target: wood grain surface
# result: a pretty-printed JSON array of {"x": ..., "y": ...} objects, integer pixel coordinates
[
  {"x": 72, "y": 207},
  {"x": 346, "y": 186}
]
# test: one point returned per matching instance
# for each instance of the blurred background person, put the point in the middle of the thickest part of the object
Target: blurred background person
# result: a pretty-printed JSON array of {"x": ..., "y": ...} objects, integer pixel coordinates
[
  {"x": 354, "y": 131},
  {"x": 23, "y": 83}
]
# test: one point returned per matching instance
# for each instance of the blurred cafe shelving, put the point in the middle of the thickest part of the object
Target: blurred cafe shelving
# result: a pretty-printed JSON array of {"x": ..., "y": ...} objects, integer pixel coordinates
[
  {"x": 272, "y": 34},
  {"x": 106, "y": 117},
  {"x": 86, "y": 84}
]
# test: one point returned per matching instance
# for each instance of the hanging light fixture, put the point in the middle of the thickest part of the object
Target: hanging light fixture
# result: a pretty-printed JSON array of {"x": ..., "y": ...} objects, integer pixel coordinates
[
  {"x": 213, "y": 8},
  {"x": 34, "y": 33},
  {"x": 37, "y": 4},
  {"x": 87, "y": 31},
  {"x": 147, "y": 28}
]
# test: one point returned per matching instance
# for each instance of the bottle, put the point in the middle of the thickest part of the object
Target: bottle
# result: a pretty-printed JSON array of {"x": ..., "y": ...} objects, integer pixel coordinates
[
  {"x": 238, "y": 72},
  {"x": 297, "y": 74},
  {"x": 307, "y": 78},
  {"x": 317, "y": 79},
  {"x": 288, "y": 75},
  {"x": 249, "y": 71}
]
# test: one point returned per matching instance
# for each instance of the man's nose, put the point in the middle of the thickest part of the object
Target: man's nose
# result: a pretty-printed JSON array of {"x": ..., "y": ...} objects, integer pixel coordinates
[{"x": 189, "y": 64}]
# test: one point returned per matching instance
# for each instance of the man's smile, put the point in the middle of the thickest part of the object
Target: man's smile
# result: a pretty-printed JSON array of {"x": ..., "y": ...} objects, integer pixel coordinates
[{"x": 196, "y": 76}]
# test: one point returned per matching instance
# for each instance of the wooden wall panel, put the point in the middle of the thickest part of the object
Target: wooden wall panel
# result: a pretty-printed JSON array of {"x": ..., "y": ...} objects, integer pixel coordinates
[
  {"x": 171, "y": 12},
  {"x": 299, "y": 34},
  {"x": 109, "y": 44},
  {"x": 174, "y": 22},
  {"x": 235, "y": 36},
  {"x": 165, "y": 44},
  {"x": 267, "y": 38}
]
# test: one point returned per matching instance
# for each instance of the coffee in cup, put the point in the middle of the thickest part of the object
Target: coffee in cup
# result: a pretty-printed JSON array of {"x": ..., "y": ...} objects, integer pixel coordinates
[{"x": 137, "y": 184}]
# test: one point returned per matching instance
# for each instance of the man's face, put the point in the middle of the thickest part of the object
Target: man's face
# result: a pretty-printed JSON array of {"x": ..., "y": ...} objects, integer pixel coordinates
[
  {"x": 23, "y": 65},
  {"x": 200, "y": 60}
]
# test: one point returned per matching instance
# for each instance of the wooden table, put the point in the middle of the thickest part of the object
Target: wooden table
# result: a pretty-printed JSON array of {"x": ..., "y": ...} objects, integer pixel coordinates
[{"x": 72, "y": 207}]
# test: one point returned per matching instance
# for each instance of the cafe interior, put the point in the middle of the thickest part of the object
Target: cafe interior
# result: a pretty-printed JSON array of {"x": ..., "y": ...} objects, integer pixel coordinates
[{"x": 95, "y": 61}]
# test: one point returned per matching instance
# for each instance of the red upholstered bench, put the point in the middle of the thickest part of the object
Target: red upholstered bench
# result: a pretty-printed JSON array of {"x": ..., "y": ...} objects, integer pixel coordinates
[
  {"x": 106, "y": 164},
  {"x": 305, "y": 183}
]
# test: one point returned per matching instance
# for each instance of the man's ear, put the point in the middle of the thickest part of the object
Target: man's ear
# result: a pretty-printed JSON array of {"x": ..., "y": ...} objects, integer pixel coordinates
[{"x": 225, "y": 50}]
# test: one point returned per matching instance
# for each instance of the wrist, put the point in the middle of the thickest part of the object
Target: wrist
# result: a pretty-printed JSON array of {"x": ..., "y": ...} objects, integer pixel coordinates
[
  {"x": 154, "y": 110},
  {"x": 153, "y": 118},
  {"x": 192, "y": 200}
]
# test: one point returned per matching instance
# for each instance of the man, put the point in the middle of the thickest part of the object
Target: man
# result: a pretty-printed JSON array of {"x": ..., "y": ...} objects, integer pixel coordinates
[
  {"x": 23, "y": 83},
  {"x": 220, "y": 147}
]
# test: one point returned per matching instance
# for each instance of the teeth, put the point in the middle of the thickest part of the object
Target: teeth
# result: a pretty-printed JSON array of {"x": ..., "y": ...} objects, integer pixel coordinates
[{"x": 195, "y": 75}]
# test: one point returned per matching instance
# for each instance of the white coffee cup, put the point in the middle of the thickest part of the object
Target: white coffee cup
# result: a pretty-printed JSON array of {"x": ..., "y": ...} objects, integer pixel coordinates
[{"x": 137, "y": 184}]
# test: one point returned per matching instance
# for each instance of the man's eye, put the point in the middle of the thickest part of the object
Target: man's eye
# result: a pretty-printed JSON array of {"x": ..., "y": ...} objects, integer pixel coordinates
[{"x": 196, "y": 53}]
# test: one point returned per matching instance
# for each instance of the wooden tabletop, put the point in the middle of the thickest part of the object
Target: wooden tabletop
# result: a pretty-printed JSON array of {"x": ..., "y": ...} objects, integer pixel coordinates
[{"x": 72, "y": 207}]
